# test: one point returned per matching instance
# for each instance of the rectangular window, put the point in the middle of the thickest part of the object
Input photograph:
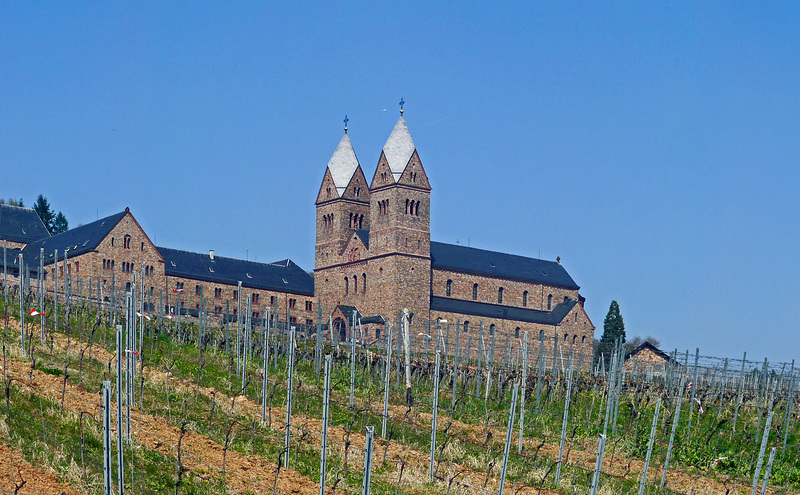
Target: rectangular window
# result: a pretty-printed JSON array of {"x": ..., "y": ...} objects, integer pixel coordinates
[
  {"x": 292, "y": 303},
  {"x": 197, "y": 290},
  {"x": 309, "y": 306},
  {"x": 235, "y": 295},
  {"x": 255, "y": 298}
]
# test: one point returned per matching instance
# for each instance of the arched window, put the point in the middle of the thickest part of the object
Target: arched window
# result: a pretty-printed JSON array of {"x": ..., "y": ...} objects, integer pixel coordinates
[
  {"x": 549, "y": 301},
  {"x": 346, "y": 285},
  {"x": 407, "y": 206},
  {"x": 516, "y": 332},
  {"x": 112, "y": 242},
  {"x": 491, "y": 329},
  {"x": 565, "y": 337},
  {"x": 449, "y": 288},
  {"x": 541, "y": 335},
  {"x": 566, "y": 299},
  {"x": 525, "y": 299},
  {"x": 355, "y": 284},
  {"x": 500, "y": 295},
  {"x": 583, "y": 339},
  {"x": 363, "y": 283},
  {"x": 474, "y": 292},
  {"x": 466, "y": 326},
  {"x": 126, "y": 242}
]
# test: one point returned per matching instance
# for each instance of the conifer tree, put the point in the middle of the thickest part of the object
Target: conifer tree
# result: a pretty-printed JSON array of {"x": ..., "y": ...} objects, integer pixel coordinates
[
  {"x": 613, "y": 329},
  {"x": 42, "y": 208}
]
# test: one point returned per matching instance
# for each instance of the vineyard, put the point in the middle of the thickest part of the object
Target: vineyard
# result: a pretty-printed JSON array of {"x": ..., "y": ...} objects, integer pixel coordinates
[{"x": 105, "y": 398}]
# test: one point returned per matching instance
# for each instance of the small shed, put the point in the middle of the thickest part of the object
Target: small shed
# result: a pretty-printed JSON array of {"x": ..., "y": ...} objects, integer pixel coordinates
[{"x": 647, "y": 359}]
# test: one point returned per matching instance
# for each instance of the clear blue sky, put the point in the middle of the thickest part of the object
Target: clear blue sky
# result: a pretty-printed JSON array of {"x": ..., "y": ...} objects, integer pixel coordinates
[{"x": 652, "y": 147}]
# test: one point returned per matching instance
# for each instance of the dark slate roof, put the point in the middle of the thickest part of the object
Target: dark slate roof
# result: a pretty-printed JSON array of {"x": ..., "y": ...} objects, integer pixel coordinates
[
  {"x": 348, "y": 311},
  {"x": 18, "y": 224},
  {"x": 12, "y": 261},
  {"x": 500, "y": 265},
  {"x": 364, "y": 236},
  {"x": 647, "y": 345},
  {"x": 487, "y": 310},
  {"x": 282, "y": 276},
  {"x": 75, "y": 242}
]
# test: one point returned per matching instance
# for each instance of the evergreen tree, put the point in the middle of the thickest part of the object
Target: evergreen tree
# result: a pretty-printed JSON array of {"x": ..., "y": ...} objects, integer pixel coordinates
[
  {"x": 42, "y": 208},
  {"x": 60, "y": 224},
  {"x": 613, "y": 329}
]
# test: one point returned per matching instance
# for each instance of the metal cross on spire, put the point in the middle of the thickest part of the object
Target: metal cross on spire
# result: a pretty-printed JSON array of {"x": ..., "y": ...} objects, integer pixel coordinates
[
  {"x": 346, "y": 120},
  {"x": 402, "y": 102}
]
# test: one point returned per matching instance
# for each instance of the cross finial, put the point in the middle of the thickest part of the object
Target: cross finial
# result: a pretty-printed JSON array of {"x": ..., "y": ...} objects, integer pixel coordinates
[
  {"x": 402, "y": 102},
  {"x": 346, "y": 120}
]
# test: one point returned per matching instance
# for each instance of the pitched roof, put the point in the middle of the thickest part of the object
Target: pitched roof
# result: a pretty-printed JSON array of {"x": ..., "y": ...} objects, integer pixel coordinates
[
  {"x": 343, "y": 164},
  {"x": 474, "y": 308},
  {"x": 363, "y": 234},
  {"x": 501, "y": 265},
  {"x": 399, "y": 148},
  {"x": 12, "y": 262},
  {"x": 18, "y": 224},
  {"x": 281, "y": 276},
  {"x": 648, "y": 346},
  {"x": 74, "y": 242}
]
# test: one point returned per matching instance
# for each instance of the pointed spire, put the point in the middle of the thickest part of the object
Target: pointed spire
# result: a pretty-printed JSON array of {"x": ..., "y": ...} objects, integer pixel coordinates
[
  {"x": 343, "y": 164},
  {"x": 399, "y": 148}
]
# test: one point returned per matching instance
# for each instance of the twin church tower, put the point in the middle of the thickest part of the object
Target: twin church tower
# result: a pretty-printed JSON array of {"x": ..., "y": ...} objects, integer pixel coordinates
[
  {"x": 373, "y": 245},
  {"x": 374, "y": 257}
]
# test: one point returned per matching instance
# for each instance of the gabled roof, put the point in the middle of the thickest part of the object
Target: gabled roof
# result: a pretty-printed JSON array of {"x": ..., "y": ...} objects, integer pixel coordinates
[
  {"x": 501, "y": 265},
  {"x": 74, "y": 242},
  {"x": 343, "y": 164},
  {"x": 648, "y": 346},
  {"x": 474, "y": 308},
  {"x": 399, "y": 148},
  {"x": 18, "y": 224},
  {"x": 363, "y": 234},
  {"x": 281, "y": 276}
]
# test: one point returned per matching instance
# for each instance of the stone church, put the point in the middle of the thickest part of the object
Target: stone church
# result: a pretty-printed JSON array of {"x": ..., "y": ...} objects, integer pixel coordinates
[{"x": 374, "y": 257}]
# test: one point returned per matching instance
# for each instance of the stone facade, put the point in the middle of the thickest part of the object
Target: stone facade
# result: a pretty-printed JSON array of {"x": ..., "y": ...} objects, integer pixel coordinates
[{"x": 386, "y": 265}]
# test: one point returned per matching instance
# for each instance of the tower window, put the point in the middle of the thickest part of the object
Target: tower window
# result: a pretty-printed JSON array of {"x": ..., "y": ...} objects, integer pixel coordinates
[
  {"x": 474, "y": 292},
  {"x": 126, "y": 242},
  {"x": 355, "y": 284},
  {"x": 363, "y": 283},
  {"x": 516, "y": 332},
  {"x": 549, "y": 301},
  {"x": 500, "y": 295},
  {"x": 346, "y": 285},
  {"x": 466, "y": 326},
  {"x": 449, "y": 288},
  {"x": 491, "y": 329},
  {"x": 328, "y": 193},
  {"x": 525, "y": 299}
]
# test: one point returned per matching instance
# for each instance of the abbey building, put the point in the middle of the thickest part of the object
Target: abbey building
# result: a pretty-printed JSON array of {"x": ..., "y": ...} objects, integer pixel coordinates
[{"x": 374, "y": 257}]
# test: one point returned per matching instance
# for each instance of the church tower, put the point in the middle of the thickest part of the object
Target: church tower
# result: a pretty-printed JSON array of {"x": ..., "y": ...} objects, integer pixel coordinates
[
  {"x": 400, "y": 229},
  {"x": 342, "y": 204}
]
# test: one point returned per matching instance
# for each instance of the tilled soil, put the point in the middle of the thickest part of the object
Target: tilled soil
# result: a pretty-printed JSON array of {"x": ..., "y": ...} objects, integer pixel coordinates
[
  {"x": 200, "y": 455},
  {"x": 31, "y": 479}
]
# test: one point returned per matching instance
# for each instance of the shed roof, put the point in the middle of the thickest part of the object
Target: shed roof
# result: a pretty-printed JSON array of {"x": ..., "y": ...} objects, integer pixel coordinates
[
  {"x": 500, "y": 265},
  {"x": 19, "y": 224},
  {"x": 281, "y": 276},
  {"x": 474, "y": 308}
]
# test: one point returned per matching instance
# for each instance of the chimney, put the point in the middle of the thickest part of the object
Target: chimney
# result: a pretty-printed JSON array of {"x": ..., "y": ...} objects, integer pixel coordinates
[{"x": 211, "y": 254}]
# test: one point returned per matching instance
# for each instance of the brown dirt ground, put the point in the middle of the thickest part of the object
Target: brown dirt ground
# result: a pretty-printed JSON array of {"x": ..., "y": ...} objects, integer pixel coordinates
[
  {"x": 38, "y": 481},
  {"x": 200, "y": 454}
]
